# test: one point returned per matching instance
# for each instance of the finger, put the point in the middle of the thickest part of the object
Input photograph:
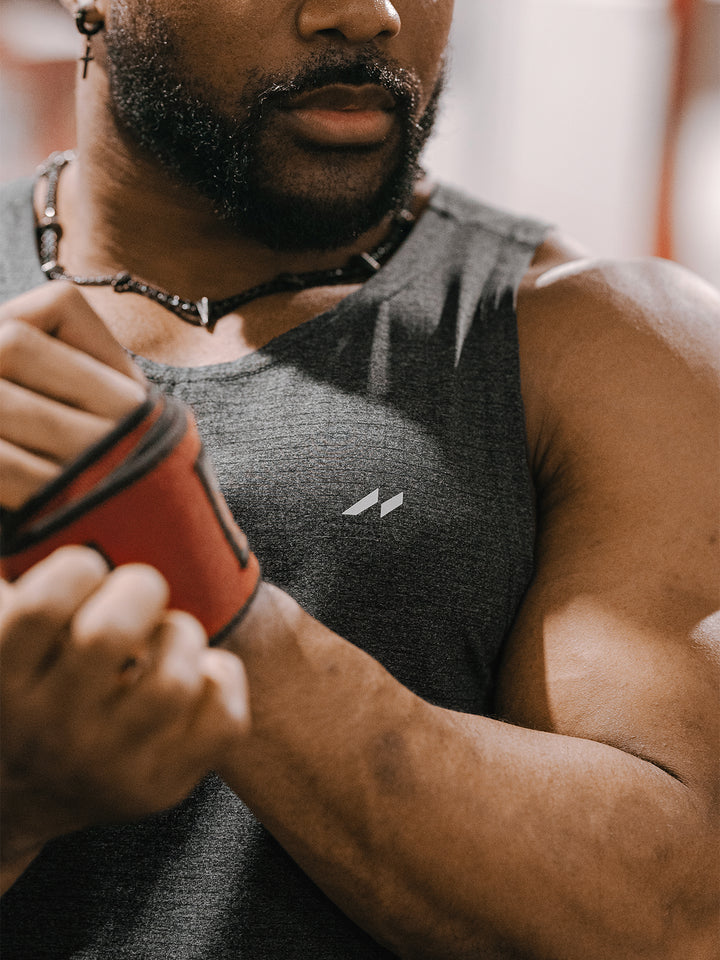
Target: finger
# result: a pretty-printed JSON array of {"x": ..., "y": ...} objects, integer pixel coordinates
[
  {"x": 181, "y": 641},
  {"x": 123, "y": 713},
  {"x": 223, "y": 718},
  {"x": 168, "y": 684},
  {"x": 46, "y": 427},
  {"x": 59, "y": 309},
  {"x": 203, "y": 732},
  {"x": 32, "y": 359},
  {"x": 172, "y": 662},
  {"x": 160, "y": 683},
  {"x": 40, "y": 605},
  {"x": 119, "y": 621},
  {"x": 22, "y": 474}
]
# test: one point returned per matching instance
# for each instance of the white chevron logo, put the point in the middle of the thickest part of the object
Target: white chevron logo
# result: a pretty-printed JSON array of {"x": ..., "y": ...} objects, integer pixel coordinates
[{"x": 371, "y": 500}]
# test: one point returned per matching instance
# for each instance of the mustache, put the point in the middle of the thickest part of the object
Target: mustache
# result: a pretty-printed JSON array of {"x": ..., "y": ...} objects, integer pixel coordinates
[{"x": 368, "y": 68}]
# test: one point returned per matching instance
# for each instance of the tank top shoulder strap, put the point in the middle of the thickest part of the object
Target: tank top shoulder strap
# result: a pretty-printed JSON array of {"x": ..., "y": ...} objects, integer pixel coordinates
[{"x": 19, "y": 263}]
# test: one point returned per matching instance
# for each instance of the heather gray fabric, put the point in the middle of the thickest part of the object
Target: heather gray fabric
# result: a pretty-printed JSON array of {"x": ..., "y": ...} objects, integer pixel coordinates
[{"x": 409, "y": 386}]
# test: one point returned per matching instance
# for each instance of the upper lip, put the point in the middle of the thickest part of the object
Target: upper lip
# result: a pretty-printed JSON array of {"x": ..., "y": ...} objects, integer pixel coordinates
[{"x": 344, "y": 97}]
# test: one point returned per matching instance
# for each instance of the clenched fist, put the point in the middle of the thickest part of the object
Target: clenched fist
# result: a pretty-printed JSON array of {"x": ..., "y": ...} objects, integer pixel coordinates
[{"x": 113, "y": 705}]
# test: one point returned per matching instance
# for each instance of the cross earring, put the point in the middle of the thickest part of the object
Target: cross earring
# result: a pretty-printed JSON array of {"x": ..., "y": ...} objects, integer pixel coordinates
[{"x": 88, "y": 30}]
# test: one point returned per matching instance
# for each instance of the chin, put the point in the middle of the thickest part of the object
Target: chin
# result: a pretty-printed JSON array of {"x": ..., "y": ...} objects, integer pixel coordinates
[
  {"x": 289, "y": 225},
  {"x": 320, "y": 212}
]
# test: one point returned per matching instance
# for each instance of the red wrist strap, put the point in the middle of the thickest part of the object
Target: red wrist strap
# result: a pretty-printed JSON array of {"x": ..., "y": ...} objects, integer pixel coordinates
[{"x": 145, "y": 494}]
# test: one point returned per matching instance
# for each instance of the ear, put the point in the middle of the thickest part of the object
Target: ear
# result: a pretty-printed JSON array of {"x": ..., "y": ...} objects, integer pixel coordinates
[{"x": 95, "y": 9}]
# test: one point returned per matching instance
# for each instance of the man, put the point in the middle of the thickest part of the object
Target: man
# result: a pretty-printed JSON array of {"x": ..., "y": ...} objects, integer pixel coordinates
[{"x": 468, "y": 737}]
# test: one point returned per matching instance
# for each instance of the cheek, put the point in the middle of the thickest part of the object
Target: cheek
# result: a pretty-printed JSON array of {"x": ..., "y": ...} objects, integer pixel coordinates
[
  {"x": 223, "y": 43},
  {"x": 226, "y": 28},
  {"x": 424, "y": 36},
  {"x": 218, "y": 44}
]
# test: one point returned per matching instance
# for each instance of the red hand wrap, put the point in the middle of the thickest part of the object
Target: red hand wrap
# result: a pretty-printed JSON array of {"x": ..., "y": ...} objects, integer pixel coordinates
[{"x": 144, "y": 494}]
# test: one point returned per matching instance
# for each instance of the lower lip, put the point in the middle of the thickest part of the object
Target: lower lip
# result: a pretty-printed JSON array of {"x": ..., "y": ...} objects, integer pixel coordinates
[{"x": 341, "y": 127}]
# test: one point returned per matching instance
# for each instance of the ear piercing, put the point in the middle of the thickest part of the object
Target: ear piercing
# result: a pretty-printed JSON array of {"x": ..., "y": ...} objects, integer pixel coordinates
[{"x": 88, "y": 12}]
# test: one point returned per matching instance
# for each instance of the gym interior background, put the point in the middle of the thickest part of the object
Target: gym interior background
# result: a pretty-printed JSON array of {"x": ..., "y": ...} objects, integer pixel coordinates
[{"x": 602, "y": 116}]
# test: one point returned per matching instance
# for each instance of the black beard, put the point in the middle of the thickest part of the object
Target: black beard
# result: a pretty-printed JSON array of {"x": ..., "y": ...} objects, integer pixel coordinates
[{"x": 234, "y": 161}]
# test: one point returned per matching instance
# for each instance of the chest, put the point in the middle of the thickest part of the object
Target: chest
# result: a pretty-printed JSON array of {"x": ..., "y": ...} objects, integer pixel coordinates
[
  {"x": 403, "y": 522},
  {"x": 149, "y": 330}
]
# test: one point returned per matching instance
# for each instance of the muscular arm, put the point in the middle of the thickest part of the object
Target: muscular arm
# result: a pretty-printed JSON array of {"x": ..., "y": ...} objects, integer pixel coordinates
[{"x": 586, "y": 825}]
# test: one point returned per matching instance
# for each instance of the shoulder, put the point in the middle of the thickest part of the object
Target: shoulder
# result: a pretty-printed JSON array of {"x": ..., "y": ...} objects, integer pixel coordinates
[
  {"x": 621, "y": 383},
  {"x": 606, "y": 341},
  {"x": 570, "y": 297}
]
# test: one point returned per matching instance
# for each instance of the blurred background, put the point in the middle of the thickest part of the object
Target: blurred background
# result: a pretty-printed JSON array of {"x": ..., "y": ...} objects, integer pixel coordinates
[{"x": 602, "y": 116}]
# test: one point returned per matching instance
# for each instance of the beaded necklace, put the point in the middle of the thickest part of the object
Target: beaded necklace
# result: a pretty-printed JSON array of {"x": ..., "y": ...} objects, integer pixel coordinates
[{"x": 204, "y": 312}]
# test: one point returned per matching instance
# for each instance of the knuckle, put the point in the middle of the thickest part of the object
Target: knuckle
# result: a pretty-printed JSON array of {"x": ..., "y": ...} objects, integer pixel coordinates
[
  {"x": 178, "y": 680},
  {"x": 228, "y": 666},
  {"x": 188, "y": 628},
  {"x": 125, "y": 609},
  {"x": 14, "y": 337},
  {"x": 13, "y": 331},
  {"x": 69, "y": 571},
  {"x": 143, "y": 577},
  {"x": 74, "y": 557}
]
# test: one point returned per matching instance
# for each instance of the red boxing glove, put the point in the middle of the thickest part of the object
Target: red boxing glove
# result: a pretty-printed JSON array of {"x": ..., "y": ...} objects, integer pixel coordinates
[{"x": 144, "y": 494}]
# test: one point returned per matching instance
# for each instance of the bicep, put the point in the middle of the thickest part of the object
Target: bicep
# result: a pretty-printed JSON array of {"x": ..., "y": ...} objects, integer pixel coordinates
[
  {"x": 580, "y": 663},
  {"x": 617, "y": 640}
]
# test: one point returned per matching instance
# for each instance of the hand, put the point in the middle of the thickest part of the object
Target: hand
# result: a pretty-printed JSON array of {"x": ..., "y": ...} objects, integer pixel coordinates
[
  {"x": 113, "y": 706},
  {"x": 64, "y": 383}
]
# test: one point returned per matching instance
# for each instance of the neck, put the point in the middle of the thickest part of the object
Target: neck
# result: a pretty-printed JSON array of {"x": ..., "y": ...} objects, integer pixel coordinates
[{"x": 120, "y": 211}]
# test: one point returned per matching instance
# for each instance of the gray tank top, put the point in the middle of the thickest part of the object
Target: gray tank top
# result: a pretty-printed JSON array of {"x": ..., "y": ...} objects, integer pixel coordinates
[{"x": 404, "y": 400}]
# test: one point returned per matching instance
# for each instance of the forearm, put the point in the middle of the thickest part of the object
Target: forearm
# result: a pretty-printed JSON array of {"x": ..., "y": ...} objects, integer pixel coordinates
[{"x": 452, "y": 836}]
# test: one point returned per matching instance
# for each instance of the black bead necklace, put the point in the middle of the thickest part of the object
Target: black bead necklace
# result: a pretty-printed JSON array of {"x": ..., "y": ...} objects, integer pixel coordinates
[{"x": 204, "y": 312}]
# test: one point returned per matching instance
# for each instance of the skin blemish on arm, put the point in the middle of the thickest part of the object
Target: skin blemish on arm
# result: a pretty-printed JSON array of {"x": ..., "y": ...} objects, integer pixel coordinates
[{"x": 392, "y": 767}]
